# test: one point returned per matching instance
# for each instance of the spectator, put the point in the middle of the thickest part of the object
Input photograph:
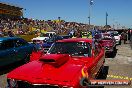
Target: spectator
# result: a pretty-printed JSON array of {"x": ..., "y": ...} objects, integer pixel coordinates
[
  {"x": 10, "y": 34},
  {"x": 124, "y": 36},
  {"x": 129, "y": 33}
]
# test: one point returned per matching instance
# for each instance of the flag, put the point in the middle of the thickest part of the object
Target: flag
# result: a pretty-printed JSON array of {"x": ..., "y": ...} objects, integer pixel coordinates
[{"x": 91, "y": 2}]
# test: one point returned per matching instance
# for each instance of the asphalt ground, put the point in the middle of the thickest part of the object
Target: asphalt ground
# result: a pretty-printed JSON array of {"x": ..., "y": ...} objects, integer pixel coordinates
[
  {"x": 117, "y": 67},
  {"x": 120, "y": 67}
]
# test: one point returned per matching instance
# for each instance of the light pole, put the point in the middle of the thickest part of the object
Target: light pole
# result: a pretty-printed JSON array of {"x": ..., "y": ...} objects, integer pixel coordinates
[
  {"x": 90, "y": 3},
  {"x": 59, "y": 18},
  {"x": 106, "y": 20},
  {"x": 89, "y": 20}
]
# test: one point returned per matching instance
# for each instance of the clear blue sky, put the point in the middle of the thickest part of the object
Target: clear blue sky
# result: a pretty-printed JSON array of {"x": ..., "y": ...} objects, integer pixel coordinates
[{"x": 119, "y": 11}]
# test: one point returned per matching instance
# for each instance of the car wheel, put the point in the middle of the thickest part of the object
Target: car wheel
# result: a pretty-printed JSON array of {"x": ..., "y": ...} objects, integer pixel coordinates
[
  {"x": 114, "y": 48},
  {"x": 84, "y": 82},
  {"x": 101, "y": 73}
]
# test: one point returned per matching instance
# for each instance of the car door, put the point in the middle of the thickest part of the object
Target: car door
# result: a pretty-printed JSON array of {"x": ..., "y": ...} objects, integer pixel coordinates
[
  {"x": 7, "y": 52},
  {"x": 22, "y": 48}
]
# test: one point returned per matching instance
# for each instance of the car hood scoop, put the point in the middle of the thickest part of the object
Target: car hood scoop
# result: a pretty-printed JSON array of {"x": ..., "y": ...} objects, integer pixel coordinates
[{"x": 55, "y": 59}]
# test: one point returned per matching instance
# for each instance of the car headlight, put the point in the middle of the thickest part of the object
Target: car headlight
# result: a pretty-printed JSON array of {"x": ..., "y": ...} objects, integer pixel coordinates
[{"x": 12, "y": 83}]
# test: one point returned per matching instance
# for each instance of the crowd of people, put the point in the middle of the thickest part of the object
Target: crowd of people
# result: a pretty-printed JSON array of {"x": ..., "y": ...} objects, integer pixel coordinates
[
  {"x": 24, "y": 25},
  {"x": 12, "y": 27}
]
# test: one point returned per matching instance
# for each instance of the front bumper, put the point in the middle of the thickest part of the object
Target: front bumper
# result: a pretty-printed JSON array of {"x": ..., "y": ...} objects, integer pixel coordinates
[{"x": 118, "y": 41}]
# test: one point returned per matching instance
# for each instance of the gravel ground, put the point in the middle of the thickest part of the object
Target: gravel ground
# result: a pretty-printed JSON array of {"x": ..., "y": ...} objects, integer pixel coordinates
[{"x": 120, "y": 65}]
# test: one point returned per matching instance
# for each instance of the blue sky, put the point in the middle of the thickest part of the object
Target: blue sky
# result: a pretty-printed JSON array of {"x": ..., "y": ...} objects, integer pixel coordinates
[{"x": 119, "y": 11}]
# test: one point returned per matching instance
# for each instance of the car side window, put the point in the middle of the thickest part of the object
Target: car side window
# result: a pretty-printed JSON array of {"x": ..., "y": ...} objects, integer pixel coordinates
[
  {"x": 7, "y": 45},
  {"x": 20, "y": 42}
]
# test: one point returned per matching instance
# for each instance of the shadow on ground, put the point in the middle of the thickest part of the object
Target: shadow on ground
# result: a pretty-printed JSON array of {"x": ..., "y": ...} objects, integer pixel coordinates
[
  {"x": 112, "y": 54},
  {"x": 102, "y": 75}
]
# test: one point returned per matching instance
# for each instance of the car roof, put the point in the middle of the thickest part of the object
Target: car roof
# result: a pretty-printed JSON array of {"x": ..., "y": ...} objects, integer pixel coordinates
[
  {"x": 76, "y": 40},
  {"x": 7, "y": 38},
  {"x": 50, "y": 32}
]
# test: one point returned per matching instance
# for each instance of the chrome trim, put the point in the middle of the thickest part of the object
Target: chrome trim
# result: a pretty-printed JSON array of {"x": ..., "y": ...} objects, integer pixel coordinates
[{"x": 33, "y": 84}]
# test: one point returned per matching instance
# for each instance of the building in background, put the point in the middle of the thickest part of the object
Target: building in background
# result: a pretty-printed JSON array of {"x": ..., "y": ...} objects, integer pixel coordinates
[{"x": 10, "y": 11}]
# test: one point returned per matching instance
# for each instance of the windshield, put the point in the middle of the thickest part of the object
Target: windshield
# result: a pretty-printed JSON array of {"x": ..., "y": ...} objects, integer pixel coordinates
[
  {"x": 72, "y": 48},
  {"x": 54, "y": 39},
  {"x": 115, "y": 34},
  {"x": 43, "y": 35}
]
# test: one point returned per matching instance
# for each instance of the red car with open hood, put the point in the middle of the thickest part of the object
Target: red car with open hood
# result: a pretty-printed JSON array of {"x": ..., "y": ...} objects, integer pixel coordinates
[{"x": 64, "y": 66}]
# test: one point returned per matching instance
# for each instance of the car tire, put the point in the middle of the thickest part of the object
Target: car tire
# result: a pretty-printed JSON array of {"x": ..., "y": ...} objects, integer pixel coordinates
[
  {"x": 84, "y": 82},
  {"x": 114, "y": 48},
  {"x": 102, "y": 72}
]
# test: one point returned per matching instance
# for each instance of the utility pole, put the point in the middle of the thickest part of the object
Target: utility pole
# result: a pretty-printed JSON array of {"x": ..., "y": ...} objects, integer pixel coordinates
[
  {"x": 89, "y": 20},
  {"x": 90, "y": 3},
  {"x": 59, "y": 18},
  {"x": 106, "y": 20}
]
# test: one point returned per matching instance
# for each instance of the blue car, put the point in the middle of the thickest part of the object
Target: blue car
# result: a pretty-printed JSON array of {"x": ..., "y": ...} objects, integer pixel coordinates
[
  {"x": 13, "y": 49},
  {"x": 50, "y": 41}
]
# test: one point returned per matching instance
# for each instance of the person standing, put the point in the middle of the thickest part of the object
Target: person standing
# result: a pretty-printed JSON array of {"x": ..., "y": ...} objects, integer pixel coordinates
[
  {"x": 79, "y": 35},
  {"x": 129, "y": 33},
  {"x": 124, "y": 36},
  {"x": 131, "y": 38}
]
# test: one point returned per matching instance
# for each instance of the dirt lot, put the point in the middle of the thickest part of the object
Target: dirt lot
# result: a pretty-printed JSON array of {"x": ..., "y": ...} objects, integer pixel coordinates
[{"x": 119, "y": 67}]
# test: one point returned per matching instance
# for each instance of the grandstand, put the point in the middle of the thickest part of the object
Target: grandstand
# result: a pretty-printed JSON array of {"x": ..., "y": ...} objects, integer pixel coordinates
[{"x": 10, "y": 11}]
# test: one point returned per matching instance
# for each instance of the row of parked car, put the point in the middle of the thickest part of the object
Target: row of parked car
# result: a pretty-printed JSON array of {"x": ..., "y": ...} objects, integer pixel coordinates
[{"x": 69, "y": 62}]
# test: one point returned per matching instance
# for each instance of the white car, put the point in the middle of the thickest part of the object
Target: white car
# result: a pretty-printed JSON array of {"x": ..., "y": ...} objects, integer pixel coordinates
[
  {"x": 39, "y": 39},
  {"x": 43, "y": 37},
  {"x": 117, "y": 37},
  {"x": 50, "y": 34}
]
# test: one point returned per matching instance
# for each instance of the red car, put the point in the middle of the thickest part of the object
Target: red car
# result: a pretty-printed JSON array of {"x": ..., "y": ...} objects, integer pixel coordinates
[
  {"x": 64, "y": 66},
  {"x": 108, "y": 42}
]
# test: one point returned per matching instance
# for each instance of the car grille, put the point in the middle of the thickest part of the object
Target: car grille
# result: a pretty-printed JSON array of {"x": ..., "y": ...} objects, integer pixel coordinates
[{"x": 22, "y": 84}]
